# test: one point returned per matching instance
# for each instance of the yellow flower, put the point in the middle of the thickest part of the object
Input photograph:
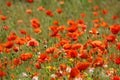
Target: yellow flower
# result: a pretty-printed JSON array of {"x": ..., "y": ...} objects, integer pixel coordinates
[
  {"x": 54, "y": 68},
  {"x": 48, "y": 67},
  {"x": 71, "y": 59},
  {"x": 89, "y": 78}
]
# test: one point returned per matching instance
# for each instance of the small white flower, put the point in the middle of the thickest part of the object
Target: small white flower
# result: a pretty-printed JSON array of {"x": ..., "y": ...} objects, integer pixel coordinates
[
  {"x": 53, "y": 75},
  {"x": 98, "y": 63},
  {"x": 61, "y": 72},
  {"x": 105, "y": 66},
  {"x": 112, "y": 72},
  {"x": 45, "y": 46},
  {"x": 68, "y": 69},
  {"x": 38, "y": 53},
  {"x": 78, "y": 79},
  {"x": 91, "y": 70},
  {"x": 24, "y": 74},
  {"x": 108, "y": 75},
  {"x": 103, "y": 74},
  {"x": 116, "y": 40},
  {"x": 35, "y": 78},
  {"x": 65, "y": 53}
]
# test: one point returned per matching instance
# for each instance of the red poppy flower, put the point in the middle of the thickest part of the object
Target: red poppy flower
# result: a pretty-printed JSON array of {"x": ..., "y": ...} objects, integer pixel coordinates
[
  {"x": 114, "y": 17},
  {"x": 37, "y": 30},
  {"x": 49, "y": 13},
  {"x": 56, "y": 56},
  {"x": 9, "y": 44},
  {"x": 83, "y": 27},
  {"x": 2, "y": 74},
  {"x": 74, "y": 72},
  {"x": 96, "y": 7},
  {"x": 29, "y": 11},
  {"x": 115, "y": 78},
  {"x": 82, "y": 66},
  {"x": 67, "y": 46},
  {"x": 16, "y": 49},
  {"x": 26, "y": 56},
  {"x": 42, "y": 58},
  {"x": 23, "y": 31},
  {"x": 52, "y": 78},
  {"x": 54, "y": 31},
  {"x": 50, "y": 50},
  {"x": 104, "y": 24},
  {"x": 61, "y": 28},
  {"x": 16, "y": 61},
  {"x": 63, "y": 41},
  {"x": 104, "y": 11},
  {"x": 82, "y": 15},
  {"x": 35, "y": 74},
  {"x": 72, "y": 54},
  {"x": 30, "y": 1},
  {"x": 59, "y": 10},
  {"x": 6, "y": 28},
  {"x": 63, "y": 66},
  {"x": 7, "y": 50},
  {"x": 12, "y": 36},
  {"x": 76, "y": 46},
  {"x": 96, "y": 21},
  {"x": 118, "y": 46},
  {"x": 56, "y": 22},
  {"x": 70, "y": 22},
  {"x": 21, "y": 41},
  {"x": 1, "y": 48},
  {"x": 115, "y": 28},
  {"x": 35, "y": 23},
  {"x": 96, "y": 43},
  {"x": 93, "y": 31},
  {"x": 74, "y": 36},
  {"x": 19, "y": 21},
  {"x": 95, "y": 13},
  {"x": 33, "y": 42},
  {"x": 83, "y": 54},
  {"x": 117, "y": 61},
  {"x": 8, "y": 4},
  {"x": 37, "y": 65},
  {"x": 41, "y": 8},
  {"x": 98, "y": 62},
  {"x": 110, "y": 38},
  {"x": 3, "y": 18},
  {"x": 81, "y": 21},
  {"x": 72, "y": 28}
]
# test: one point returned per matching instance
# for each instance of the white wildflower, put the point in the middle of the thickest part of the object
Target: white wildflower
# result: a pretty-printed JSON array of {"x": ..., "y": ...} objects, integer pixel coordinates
[
  {"x": 78, "y": 79},
  {"x": 91, "y": 70},
  {"x": 68, "y": 69},
  {"x": 38, "y": 53},
  {"x": 35, "y": 78},
  {"x": 24, "y": 74},
  {"x": 53, "y": 75},
  {"x": 105, "y": 66}
]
